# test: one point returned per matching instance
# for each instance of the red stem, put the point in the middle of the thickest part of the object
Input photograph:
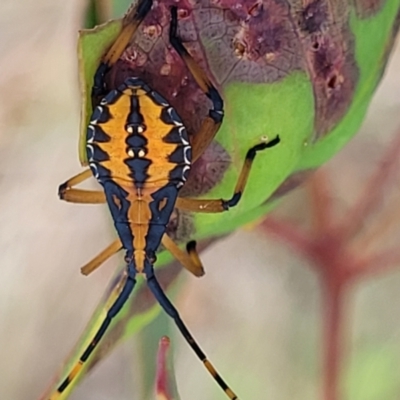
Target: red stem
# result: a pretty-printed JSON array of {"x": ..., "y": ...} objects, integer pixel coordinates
[
  {"x": 162, "y": 374},
  {"x": 332, "y": 320}
]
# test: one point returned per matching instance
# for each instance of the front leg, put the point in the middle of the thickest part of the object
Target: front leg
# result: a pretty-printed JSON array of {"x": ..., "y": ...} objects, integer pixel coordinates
[{"x": 118, "y": 47}]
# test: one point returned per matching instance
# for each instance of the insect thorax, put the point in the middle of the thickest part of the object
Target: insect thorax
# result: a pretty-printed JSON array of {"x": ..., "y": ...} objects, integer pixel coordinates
[{"x": 136, "y": 136}]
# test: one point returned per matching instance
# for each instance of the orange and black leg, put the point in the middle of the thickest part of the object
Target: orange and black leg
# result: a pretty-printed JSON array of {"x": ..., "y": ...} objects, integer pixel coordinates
[
  {"x": 122, "y": 297},
  {"x": 67, "y": 192},
  {"x": 130, "y": 24},
  {"x": 220, "y": 205},
  {"x": 102, "y": 257},
  {"x": 169, "y": 308},
  {"x": 202, "y": 139},
  {"x": 190, "y": 260}
]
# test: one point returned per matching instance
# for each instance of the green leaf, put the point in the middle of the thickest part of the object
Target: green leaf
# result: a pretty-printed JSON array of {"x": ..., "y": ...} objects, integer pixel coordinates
[{"x": 243, "y": 129}]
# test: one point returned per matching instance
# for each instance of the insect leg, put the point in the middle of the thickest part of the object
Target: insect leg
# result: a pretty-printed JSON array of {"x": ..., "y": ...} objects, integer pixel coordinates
[
  {"x": 111, "y": 313},
  {"x": 189, "y": 260},
  {"x": 211, "y": 124},
  {"x": 219, "y": 205},
  {"x": 83, "y": 196},
  {"x": 101, "y": 257},
  {"x": 130, "y": 25},
  {"x": 76, "y": 180},
  {"x": 68, "y": 193},
  {"x": 168, "y": 307}
]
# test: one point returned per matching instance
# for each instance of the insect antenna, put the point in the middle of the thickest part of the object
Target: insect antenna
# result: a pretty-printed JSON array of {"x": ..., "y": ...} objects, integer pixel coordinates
[{"x": 169, "y": 308}]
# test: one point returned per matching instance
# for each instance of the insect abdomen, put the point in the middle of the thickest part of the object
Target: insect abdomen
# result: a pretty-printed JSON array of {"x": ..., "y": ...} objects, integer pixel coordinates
[{"x": 136, "y": 136}]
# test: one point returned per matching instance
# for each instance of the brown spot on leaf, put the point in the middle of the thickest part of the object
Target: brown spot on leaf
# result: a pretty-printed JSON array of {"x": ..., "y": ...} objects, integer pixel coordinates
[
  {"x": 328, "y": 46},
  {"x": 313, "y": 16},
  {"x": 334, "y": 74},
  {"x": 248, "y": 41}
]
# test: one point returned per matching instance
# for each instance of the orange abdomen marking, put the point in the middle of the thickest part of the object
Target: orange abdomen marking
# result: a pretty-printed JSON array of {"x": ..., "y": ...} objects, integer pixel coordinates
[{"x": 146, "y": 142}]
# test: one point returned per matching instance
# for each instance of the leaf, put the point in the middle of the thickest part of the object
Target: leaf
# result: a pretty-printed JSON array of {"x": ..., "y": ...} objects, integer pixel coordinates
[
  {"x": 371, "y": 51},
  {"x": 285, "y": 104}
]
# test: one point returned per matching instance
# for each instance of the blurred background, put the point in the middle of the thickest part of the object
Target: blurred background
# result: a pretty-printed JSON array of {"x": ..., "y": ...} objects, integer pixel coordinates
[{"x": 257, "y": 312}]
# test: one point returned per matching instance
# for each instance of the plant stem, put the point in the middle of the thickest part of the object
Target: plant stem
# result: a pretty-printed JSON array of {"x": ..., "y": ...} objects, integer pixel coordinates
[{"x": 333, "y": 323}]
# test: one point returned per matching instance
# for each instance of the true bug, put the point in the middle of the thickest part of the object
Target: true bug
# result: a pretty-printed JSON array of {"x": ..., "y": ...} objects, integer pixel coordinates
[{"x": 140, "y": 152}]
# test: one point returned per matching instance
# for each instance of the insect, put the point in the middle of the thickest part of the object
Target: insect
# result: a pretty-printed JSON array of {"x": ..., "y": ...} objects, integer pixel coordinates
[{"x": 139, "y": 150}]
